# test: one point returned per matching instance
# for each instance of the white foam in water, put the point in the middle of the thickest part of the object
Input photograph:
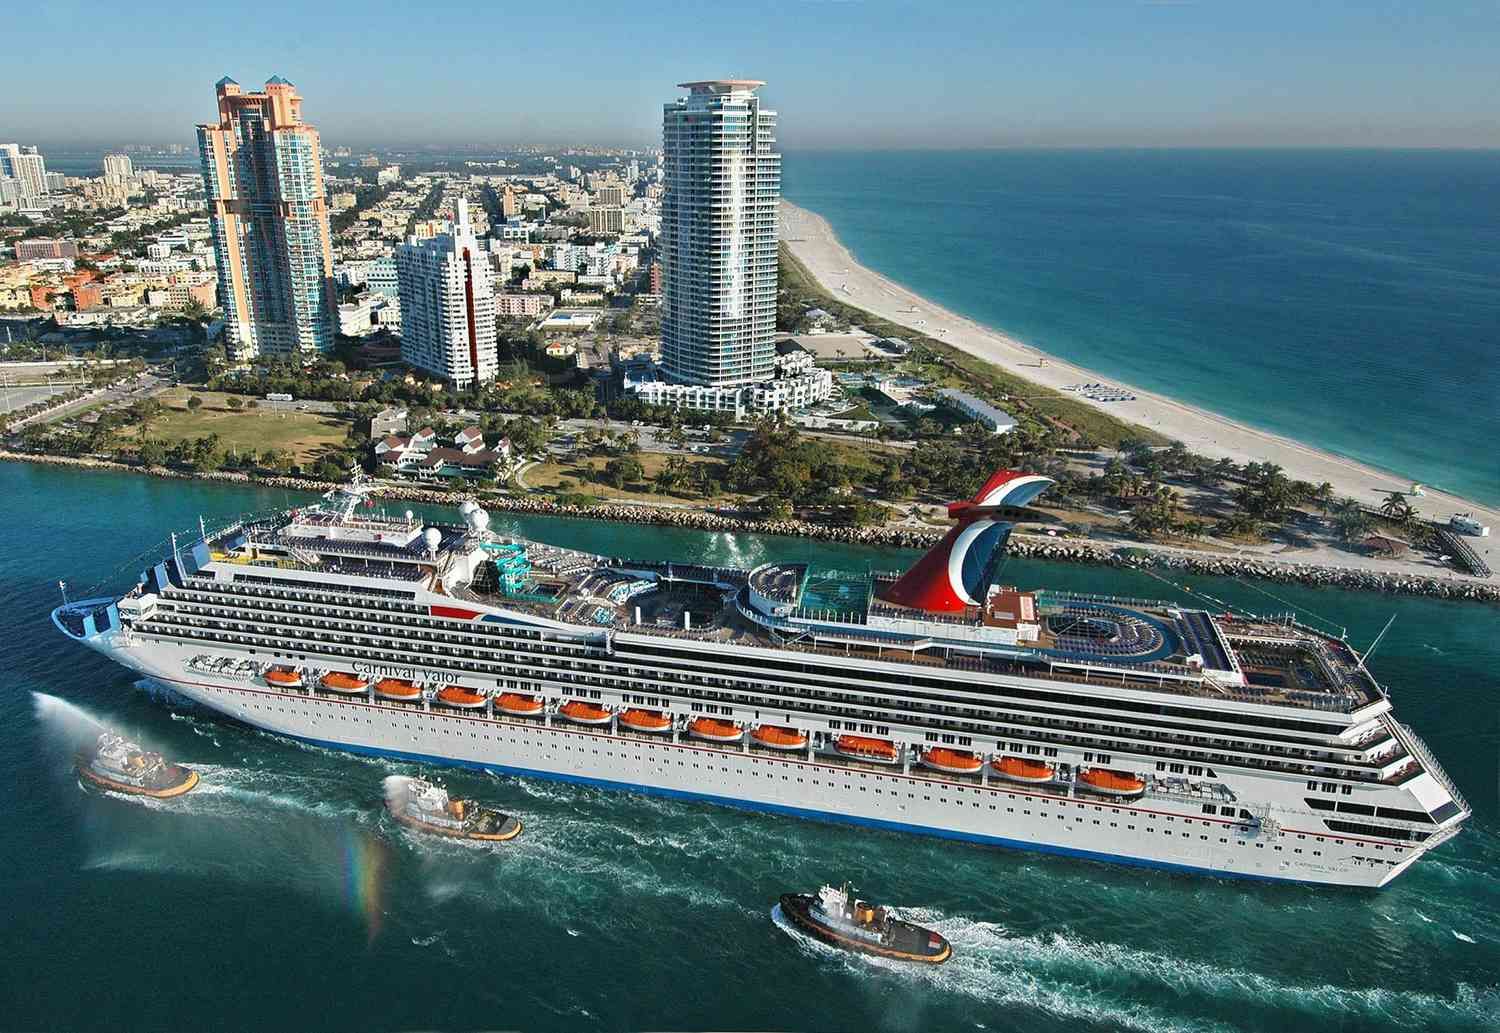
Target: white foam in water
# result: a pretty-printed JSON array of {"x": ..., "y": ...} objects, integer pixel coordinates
[
  {"x": 1059, "y": 974},
  {"x": 1465, "y": 937}
]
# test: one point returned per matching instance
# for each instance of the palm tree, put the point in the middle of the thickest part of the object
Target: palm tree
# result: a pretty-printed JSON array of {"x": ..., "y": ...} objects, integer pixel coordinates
[
  {"x": 1397, "y": 508},
  {"x": 1353, "y": 524},
  {"x": 1322, "y": 497}
]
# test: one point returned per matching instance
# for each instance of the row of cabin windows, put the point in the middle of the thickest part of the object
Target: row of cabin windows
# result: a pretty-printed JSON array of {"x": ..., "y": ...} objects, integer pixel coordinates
[
  {"x": 1029, "y": 748},
  {"x": 470, "y": 630},
  {"x": 1191, "y": 769},
  {"x": 453, "y": 640},
  {"x": 1046, "y": 751}
]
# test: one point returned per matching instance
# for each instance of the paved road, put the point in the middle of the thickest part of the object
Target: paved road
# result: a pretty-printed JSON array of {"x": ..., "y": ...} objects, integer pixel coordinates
[
  {"x": 132, "y": 390},
  {"x": 13, "y": 398}
]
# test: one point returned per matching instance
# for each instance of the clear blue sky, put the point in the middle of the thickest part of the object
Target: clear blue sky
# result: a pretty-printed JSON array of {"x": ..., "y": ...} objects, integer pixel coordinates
[{"x": 843, "y": 73}]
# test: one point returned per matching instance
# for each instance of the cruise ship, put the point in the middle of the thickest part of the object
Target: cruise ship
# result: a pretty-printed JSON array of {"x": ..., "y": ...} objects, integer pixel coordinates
[{"x": 937, "y": 701}]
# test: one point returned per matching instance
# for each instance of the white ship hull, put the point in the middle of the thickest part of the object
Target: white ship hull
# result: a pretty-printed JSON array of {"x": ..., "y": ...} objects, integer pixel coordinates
[{"x": 1153, "y": 833}]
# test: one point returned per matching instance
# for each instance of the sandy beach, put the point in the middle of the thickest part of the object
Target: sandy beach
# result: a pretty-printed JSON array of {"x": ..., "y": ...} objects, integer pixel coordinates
[{"x": 813, "y": 242}]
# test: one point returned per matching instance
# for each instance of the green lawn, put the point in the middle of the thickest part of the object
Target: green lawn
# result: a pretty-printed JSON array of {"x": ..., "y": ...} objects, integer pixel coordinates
[{"x": 306, "y": 435}]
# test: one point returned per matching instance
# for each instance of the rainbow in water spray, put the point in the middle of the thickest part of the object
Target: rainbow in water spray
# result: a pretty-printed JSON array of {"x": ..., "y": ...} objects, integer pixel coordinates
[{"x": 364, "y": 879}]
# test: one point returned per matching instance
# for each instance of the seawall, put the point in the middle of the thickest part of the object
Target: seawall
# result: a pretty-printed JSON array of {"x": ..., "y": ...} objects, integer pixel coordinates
[{"x": 1027, "y": 546}]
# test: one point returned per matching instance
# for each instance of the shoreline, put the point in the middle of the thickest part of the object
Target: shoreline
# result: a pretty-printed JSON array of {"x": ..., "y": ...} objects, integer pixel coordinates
[
  {"x": 812, "y": 241},
  {"x": 1023, "y": 545}
]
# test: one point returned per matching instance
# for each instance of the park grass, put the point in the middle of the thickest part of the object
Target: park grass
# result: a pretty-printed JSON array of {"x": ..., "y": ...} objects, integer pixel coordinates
[
  {"x": 583, "y": 471},
  {"x": 305, "y": 435},
  {"x": 950, "y": 367}
]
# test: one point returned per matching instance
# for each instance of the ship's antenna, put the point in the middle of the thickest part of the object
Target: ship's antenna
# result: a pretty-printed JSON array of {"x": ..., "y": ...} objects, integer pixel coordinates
[
  {"x": 1376, "y": 643},
  {"x": 175, "y": 559},
  {"x": 63, "y": 587},
  {"x": 202, "y": 531}
]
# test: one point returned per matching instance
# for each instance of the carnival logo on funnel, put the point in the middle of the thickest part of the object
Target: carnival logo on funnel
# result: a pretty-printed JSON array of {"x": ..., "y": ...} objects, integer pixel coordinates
[{"x": 958, "y": 571}]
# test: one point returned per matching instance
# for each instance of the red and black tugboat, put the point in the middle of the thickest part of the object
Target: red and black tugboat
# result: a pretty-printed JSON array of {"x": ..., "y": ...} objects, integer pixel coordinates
[
  {"x": 836, "y": 918},
  {"x": 120, "y": 766}
]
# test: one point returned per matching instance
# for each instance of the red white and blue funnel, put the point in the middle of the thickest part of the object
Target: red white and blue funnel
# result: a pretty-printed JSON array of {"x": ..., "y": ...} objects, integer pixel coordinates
[{"x": 957, "y": 572}]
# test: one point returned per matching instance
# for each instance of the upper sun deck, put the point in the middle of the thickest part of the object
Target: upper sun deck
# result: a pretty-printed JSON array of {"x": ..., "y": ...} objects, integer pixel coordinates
[{"x": 1065, "y": 637}]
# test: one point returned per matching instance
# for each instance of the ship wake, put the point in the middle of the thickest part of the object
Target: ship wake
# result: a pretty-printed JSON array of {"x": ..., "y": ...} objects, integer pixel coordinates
[{"x": 1077, "y": 979}]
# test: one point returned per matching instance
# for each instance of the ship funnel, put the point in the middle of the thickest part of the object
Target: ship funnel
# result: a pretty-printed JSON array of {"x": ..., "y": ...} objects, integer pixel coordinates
[{"x": 958, "y": 571}]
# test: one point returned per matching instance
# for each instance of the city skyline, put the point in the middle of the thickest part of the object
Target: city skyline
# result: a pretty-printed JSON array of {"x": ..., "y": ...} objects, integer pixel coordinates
[{"x": 1150, "y": 73}]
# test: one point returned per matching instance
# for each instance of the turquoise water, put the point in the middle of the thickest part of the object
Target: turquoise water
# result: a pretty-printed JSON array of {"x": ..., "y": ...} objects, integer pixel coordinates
[
  {"x": 277, "y": 896},
  {"x": 1348, "y": 299}
]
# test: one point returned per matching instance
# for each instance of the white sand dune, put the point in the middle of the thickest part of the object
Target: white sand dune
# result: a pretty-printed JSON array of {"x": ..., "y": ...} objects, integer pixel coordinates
[{"x": 813, "y": 242}]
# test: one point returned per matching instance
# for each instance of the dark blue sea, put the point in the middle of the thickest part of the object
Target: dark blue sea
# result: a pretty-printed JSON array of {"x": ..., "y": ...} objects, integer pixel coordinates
[
  {"x": 276, "y": 896},
  {"x": 1347, "y": 299}
]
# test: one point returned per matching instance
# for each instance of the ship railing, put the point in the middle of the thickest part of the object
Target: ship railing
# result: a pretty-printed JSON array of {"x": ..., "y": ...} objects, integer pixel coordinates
[
  {"x": 1058, "y": 597},
  {"x": 563, "y": 678},
  {"x": 1419, "y": 749}
]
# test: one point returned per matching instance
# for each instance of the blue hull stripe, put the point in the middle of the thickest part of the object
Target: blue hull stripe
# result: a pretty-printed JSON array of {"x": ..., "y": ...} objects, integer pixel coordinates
[{"x": 801, "y": 812}]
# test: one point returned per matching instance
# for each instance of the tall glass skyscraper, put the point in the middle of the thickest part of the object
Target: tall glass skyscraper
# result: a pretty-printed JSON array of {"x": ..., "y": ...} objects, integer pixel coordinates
[
  {"x": 263, "y": 170},
  {"x": 718, "y": 235}
]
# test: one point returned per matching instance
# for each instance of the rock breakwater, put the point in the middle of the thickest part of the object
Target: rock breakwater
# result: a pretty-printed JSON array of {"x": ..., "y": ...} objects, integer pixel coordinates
[{"x": 1041, "y": 547}]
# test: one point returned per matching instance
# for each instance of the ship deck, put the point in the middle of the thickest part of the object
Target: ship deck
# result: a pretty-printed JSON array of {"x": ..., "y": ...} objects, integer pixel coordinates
[{"x": 1145, "y": 645}]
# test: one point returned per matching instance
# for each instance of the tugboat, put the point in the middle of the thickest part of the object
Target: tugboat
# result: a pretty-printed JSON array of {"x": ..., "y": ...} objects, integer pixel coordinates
[
  {"x": 836, "y": 918},
  {"x": 120, "y": 766},
  {"x": 418, "y": 804}
]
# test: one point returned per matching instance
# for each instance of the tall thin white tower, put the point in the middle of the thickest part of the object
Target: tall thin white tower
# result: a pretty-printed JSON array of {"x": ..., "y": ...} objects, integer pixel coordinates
[{"x": 722, "y": 183}]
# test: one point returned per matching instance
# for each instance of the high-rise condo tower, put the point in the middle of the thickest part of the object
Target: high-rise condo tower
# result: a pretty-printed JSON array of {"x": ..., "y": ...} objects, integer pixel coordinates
[
  {"x": 263, "y": 171},
  {"x": 718, "y": 235},
  {"x": 448, "y": 304}
]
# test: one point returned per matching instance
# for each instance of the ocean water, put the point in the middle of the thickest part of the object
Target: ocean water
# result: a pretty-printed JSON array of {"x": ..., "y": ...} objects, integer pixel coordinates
[
  {"x": 278, "y": 896},
  {"x": 1347, "y": 299}
]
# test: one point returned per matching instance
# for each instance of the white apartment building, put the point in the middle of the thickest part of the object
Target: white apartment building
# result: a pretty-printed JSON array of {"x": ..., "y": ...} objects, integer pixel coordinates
[
  {"x": 118, "y": 167},
  {"x": 28, "y": 168},
  {"x": 448, "y": 304}
]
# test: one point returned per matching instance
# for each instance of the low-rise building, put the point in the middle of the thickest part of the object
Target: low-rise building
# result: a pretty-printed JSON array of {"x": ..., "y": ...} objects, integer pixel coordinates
[
  {"x": 512, "y": 306},
  {"x": 45, "y": 247},
  {"x": 388, "y": 421},
  {"x": 996, "y": 420}
]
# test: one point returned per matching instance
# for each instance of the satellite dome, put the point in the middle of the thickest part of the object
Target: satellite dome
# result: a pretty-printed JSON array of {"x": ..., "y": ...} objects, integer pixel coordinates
[
  {"x": 480, "y": 520},
  {"x": 433, "y": 537},
  {"x": 468, "y": 506},
  {"x": 410, "y": 516}
]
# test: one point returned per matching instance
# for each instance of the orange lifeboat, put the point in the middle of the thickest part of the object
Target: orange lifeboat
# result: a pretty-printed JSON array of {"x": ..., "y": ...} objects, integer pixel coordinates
[
  {"x": 713, "y": 730},
  {"x": 777, "y": 737},
  {"x": 1020, "y": 769},
  {"x": 460, "y": 697},
  {"x": 581, "y": 713},
  {"x": 954, "y": 762},
  {"x": 344, "y": 683},
  {"x": 398, "y": 689},
  {"x": 284, "y": 677},
  {"x": 862, "y": 747},
  {"x": 636, "y": 720},
  {"x": 518, "y": 704},
  {"x": 1111, "y": 783}
]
